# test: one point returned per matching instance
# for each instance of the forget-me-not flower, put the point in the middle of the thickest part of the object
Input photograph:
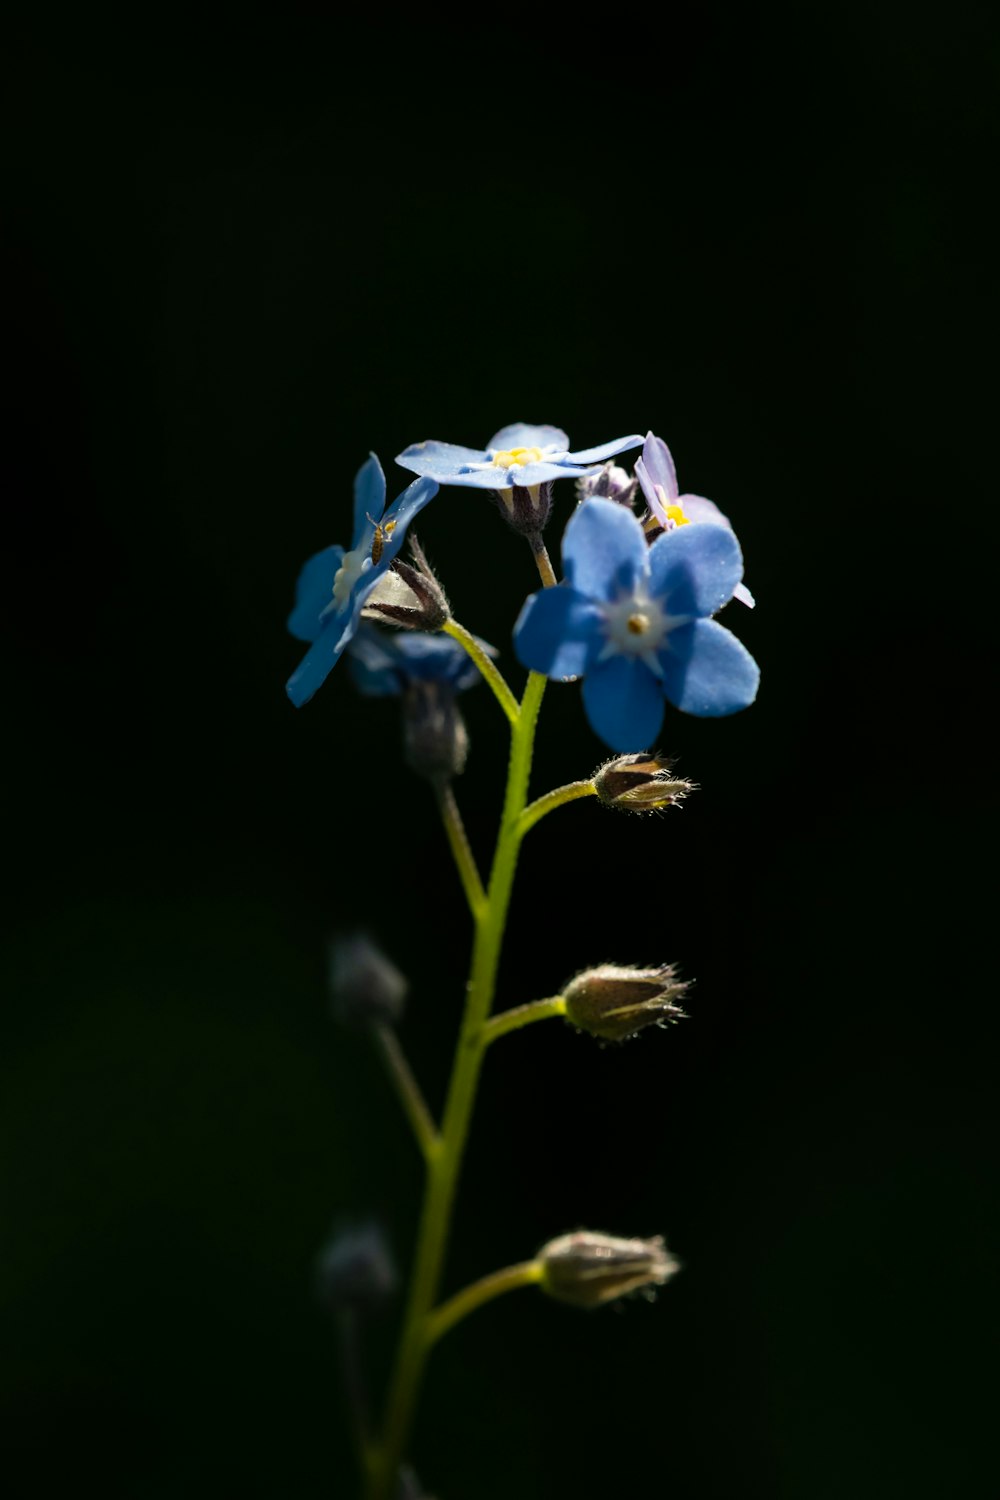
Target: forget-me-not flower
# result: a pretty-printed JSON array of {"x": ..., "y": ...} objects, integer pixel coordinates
[
  {"x": 518, "y": 466},
  {"x": 634, "y": 621},
  {"x": 384, "y": 664},
  {"x": 334, "y": 586},
  {"x": 426, "y": 672},
  {"x": 657, "y": 475}
]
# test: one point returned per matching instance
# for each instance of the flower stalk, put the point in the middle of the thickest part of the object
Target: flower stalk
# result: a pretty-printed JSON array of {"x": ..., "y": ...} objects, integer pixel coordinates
[{"x": 444, "y": 1166}]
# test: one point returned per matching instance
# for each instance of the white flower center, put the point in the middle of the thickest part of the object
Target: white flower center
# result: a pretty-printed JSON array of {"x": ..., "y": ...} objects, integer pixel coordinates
[
  {"x": 354, "y": 564},
  {"x": 637, "y": 625}
]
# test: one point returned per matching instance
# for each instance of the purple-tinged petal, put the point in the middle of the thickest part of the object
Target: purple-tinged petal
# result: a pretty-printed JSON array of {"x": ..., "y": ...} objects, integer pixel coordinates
[
  {"x": 440, "y": 461},
  {"x": 700, "y": 510},
  {"x": 369, "y": 495},
  {"x": 559, "y": 632},
  {"x": 313, "y": 592},
  {"x": 523, "y": 435},
  {"x": 624, "y": 703},
  {"x": 604, "y": 450},
  {"x": 653, "y": 499},
  {"x": 707, "y": 671},
  {"x": 604, "y": 550},
  {"x": 694, "y": 569},
  {"x": 659, "y": 466},
  {"x": 321, "y": 658}
]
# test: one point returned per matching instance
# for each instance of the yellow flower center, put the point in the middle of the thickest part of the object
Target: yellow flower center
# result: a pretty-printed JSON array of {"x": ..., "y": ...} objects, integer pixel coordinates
[
  {"x": 638, "y": 623},
  {"x": 510, "y": 458},
  {"x": 676, "y": 514}
]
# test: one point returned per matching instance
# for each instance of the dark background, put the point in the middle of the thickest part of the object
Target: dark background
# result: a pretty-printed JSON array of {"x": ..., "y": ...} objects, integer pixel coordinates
[{"x": 235, "y": 263}]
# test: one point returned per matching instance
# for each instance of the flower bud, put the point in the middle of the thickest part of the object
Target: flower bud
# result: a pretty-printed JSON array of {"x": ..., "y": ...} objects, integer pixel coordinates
[
  {"x": 614, "y": 1003},
  {"x": 435, "y": 741},
  {"x": 355, "y": 1270},
  {"x": 366, "y": 987},
  {"x": 609, "y": 483},
  {"x": 410, "y": 596},
  {"x": 525, "y": 507},
  {"x": 589, "y": 1269},
  {"x": 640, "y": 783}
]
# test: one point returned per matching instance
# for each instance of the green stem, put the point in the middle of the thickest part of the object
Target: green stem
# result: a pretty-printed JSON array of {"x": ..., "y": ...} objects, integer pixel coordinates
[
  {"x": 443, "y": 1169},
  {"x": 491, "y": 673},
  {"x": 552, "y": 800},
  {"x": 523, "y": 1015},
  {"x": 444, "y": 1318},
  {"x": 464, "y": 861},
  {"x": 408, "y": 1090},
  {"x": 543, "y": 562}
]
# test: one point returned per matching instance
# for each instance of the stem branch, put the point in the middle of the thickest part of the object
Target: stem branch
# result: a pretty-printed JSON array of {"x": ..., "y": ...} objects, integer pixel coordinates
[
  {"x": 522, "y": 1015},
  {"x": 464, "y": 860},
  {"x": 491, "y": 673},
  {"x": 554, "y": 799},
  {"x": 408, "y": 1091},
  {"x": 444, "y": 1318}
]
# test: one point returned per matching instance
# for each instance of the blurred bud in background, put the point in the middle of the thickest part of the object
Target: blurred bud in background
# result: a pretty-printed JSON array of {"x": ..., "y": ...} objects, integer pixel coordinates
[{"x": 366, "y": 988}]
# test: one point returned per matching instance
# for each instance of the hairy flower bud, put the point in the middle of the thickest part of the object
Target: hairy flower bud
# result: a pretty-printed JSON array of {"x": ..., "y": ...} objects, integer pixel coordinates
[
  {"x": 410, "y": 596},
  {"x": 588, "y": 1269},
  {"x": 609, "y": 483},
  {"x": 614, "y": 1003},
  {"x": 640, "y": 783},
  {"x": 435, "y": 741},
  {"x": 355, "y": 1270},
  {"x": 366, "y": 987}
]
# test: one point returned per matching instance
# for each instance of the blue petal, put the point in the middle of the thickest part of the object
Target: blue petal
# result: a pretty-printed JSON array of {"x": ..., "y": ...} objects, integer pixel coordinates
[
  {"x": 441, "y": 461},
  {"x": 558, "y": 632},
  {"x": 320, "y": 660},
  {"x": 373, "y": 664},
  {"x": 707, "y": 671},
  {"x": 523, "y": 435},
  {"x": 604, "y": 450},
  {"x": 527, "y": 474},
  {"x": 313, "y": 592},
  {"x": 695, "y": 568},
  {"x": 624, "y": 703},
  {"x": 383, "y": 664},
  {"x": 402, "y": 510},
  {"x": 369, "y": 495},
  {"x": 604, "y": 550}
]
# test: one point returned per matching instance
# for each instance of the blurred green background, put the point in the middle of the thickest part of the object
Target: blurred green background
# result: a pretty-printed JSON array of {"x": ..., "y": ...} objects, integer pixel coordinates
[{"x": 237, "y": 262}]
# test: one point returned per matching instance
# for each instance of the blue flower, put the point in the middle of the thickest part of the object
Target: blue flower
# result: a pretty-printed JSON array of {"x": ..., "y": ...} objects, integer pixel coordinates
[
  {"x": 633, "y": 621},
  {"x": 334, "y": 586},
  {"x": 656, "y": 474},
  {"x": 384, "y": 665},
  {"x": 519, "y": 455}
]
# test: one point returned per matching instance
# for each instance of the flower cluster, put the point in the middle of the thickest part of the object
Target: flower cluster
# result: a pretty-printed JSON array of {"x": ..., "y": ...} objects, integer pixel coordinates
[{"x": 633, "y": 615}]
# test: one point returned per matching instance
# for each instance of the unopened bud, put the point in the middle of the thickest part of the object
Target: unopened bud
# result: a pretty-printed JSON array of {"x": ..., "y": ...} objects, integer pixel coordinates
[
  {"x": 640, "y": 783},
  {"x": 613, "y": 1003},
  {"x": 611, "y": 482},
  {"x": 589, "y": 1269},
  {"x": 366, "y": 987},
  {"x": 409, "y": 595},
  {"x": 435, "y": 741},
  {"x": 355, "y": 1271}
]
